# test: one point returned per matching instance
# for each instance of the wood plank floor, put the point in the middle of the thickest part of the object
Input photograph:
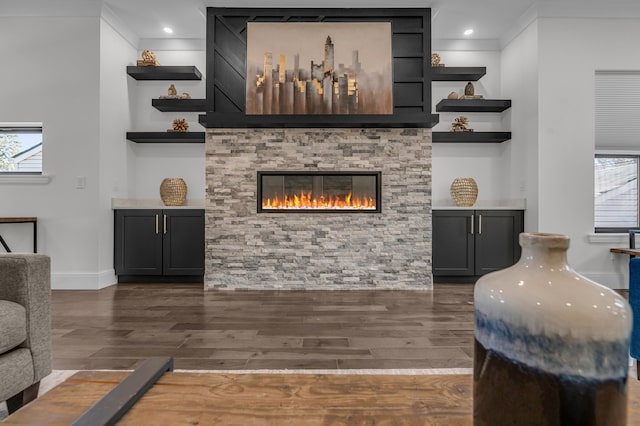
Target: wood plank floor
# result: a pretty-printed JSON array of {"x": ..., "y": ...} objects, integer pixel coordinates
[{"x": 119, "y": 326}]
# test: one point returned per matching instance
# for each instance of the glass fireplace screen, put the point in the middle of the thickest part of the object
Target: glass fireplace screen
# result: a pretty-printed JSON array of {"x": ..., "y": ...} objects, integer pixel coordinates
[{"x": 305, "y": 192}]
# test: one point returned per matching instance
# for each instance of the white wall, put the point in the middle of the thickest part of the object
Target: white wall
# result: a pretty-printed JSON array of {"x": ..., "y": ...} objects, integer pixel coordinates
[
  {"x": 519, "y": 64},
  {"x": 70, "y": 74},
  {"x": 50, "y": 74},
  {"x": 570, "y": 51},
  {"x": 116, "y": 158},
  {"x": 483, "y": 162},
  {"x": 548, "y": 73},
  {"x": 154, "y": 162}
]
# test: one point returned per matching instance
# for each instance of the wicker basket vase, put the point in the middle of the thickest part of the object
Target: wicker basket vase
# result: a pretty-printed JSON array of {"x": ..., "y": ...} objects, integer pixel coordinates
[
  {"x": 173, "y": 191},
  {"x": 464, "y": 191}
]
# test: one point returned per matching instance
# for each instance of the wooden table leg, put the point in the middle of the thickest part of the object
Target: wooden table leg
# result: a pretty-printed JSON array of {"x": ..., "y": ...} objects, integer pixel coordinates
[{"x": 35, "y": 236}]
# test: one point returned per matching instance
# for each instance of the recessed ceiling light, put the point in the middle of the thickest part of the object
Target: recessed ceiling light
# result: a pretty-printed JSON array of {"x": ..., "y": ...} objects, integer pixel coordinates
[
  {"x": 168, "y": 30},
  {"x": 468, "y": 31}
]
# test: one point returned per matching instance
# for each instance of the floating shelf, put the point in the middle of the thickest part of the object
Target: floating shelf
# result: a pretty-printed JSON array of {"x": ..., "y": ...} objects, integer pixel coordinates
[
  {"x": 473, "y": 105},
  {"x": 457, "y": 73},
  {"x": 177, "y": 105},
  {"x": 166, "y": 137},
  {"x": 471, "y": 137},
  {"x": 189, "y": 72}
]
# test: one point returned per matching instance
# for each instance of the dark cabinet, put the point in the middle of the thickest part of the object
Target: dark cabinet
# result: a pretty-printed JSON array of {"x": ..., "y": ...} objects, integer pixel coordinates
[
  {"x": 159, "y": 243},
  {"x": 471, "y": 243}
]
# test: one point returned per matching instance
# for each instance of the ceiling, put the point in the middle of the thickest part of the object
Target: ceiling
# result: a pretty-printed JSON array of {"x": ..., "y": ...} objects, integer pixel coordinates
[{"x": 495, "y": 22}]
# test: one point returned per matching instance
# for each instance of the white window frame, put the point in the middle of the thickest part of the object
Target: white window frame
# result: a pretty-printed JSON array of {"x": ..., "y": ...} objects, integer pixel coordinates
[
  {"x": 15, "y": 177},
  {"x": 613, "y": 153}
]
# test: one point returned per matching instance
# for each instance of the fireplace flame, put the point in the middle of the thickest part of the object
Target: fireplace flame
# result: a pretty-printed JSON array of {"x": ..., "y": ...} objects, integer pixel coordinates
[{"x": 306, "y": 201}]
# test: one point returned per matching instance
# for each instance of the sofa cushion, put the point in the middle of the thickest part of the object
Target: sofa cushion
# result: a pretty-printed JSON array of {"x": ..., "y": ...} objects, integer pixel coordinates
[
  {"x": 16, "y": 372},
  {"x": 13, "y": 323}
]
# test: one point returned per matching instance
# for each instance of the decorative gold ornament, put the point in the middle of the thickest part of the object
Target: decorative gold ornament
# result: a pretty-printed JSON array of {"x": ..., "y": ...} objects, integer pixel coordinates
[
  {"x": 148, "y": 59},
  {"x": 173, "y": 191},
  {"x": 179, "y": 125},
  {"x": 460, "y": 125},
  {"x": 185, "y": 95},
  {"x": 435, "y": 60},
  {"x": 172, "y": 91},
  {"x": 464, "y": 192},
  {"x": 452, "y": 95}
]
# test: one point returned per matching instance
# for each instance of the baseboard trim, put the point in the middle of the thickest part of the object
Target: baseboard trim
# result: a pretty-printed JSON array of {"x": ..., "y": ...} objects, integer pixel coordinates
[
  {"x": 152, "y": 279},
  {"x": 83, "y": 281}
]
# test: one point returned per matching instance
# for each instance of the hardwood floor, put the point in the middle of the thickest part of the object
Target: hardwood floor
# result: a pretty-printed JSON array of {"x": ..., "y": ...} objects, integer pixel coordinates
[{"x": 118, "y": 327}]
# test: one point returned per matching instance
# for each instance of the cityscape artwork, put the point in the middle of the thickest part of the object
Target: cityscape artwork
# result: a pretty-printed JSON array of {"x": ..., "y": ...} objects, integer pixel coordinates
[{"x": 319, "y": 68}]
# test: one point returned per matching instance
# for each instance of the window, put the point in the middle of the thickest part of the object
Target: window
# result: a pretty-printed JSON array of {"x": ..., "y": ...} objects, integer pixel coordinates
[
  {"x": 616, "y": 192},
  {"x": 21, "y": 148},
  {"x": 617, "y": 160}
]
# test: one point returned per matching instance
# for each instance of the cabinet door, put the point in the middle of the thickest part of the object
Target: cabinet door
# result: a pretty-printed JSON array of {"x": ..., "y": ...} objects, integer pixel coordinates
[
  {"x": 183, "y": 232},
  {"x": 452, "y": 241},
  {"x": 496, "y": 239},
  {"x": 138, "y": 242}
]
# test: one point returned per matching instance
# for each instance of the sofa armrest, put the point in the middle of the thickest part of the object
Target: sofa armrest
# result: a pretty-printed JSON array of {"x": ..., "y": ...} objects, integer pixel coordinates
[{"x": 26, "y": 279}]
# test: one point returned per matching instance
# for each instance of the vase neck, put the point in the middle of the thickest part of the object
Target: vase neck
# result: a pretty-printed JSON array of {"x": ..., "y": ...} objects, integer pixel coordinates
[{"x": 544, "y": 249}]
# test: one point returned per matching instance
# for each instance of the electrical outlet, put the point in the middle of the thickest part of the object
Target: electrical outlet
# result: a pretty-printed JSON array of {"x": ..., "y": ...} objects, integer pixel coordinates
[{"x": 81, "y": 182}]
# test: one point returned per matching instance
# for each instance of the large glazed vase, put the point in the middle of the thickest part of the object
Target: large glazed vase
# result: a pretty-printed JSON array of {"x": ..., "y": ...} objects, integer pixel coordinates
[{"x": 551, "y": 346}]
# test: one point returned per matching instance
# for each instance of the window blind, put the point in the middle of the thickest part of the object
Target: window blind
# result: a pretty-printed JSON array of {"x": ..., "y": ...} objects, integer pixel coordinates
[{"x": 617, "y": 109}]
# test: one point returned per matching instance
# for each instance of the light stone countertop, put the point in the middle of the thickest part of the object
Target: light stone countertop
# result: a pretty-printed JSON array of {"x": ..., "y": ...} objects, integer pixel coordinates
[
  {"x": 519, "y": 204},
  {"x": 130, "y": 203}
]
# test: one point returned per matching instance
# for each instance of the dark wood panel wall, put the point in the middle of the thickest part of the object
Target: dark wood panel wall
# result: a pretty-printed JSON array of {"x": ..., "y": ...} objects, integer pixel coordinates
[{"x": 226, "y": 67}]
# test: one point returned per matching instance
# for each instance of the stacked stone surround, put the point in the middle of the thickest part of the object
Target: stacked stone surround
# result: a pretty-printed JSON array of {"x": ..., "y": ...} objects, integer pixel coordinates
[{"x": 318, "y": 251}]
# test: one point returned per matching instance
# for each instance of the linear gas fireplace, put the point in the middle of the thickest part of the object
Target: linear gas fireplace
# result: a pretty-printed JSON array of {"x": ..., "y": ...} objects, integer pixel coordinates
[{"x": 311, "y": 192}]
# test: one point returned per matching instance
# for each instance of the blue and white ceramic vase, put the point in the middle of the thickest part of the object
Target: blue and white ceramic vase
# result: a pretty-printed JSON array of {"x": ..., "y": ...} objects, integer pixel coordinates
[{"x": 551, "y": 346}]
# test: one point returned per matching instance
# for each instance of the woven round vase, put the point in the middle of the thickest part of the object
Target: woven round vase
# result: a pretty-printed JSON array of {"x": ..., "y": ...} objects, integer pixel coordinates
[
  {"x": 551, "y": 346},
  {"x": 173, "y": 191},
  {"x": 464, "y": 192}
]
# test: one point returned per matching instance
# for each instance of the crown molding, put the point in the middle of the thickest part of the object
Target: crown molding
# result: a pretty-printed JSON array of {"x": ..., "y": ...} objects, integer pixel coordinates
[
  {"x": 523, "y": 21},
  {"x": 113, "y": 20}
]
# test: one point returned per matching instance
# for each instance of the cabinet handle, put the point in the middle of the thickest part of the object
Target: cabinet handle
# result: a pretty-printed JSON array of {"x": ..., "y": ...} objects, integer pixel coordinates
[
  {"x": 156, "y": 224},
  {"x": 472, "y": 221},
  {"x": 479, "y": 224},
  {"x": 164, "y": 225}
]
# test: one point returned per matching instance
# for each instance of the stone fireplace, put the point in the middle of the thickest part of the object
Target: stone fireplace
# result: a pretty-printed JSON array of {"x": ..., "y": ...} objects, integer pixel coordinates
[{"x": 252, "y": 245}]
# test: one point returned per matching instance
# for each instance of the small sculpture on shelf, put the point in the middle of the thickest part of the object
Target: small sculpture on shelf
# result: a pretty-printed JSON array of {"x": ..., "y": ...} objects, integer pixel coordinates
[
  {"x": 460, "y": 125},
  {"x": 172, "y": 93},
  {"x": 453, "y": 95},
  {"x": 179, "y": 125},
  {"x": 435, "y": 60},
  {"x": 469, "y": 92},
  {"x": 148, "y": 59}
]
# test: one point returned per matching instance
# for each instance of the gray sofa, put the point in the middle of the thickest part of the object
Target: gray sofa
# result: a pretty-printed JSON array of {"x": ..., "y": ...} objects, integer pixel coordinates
[{"x": 25, "y": 326}]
